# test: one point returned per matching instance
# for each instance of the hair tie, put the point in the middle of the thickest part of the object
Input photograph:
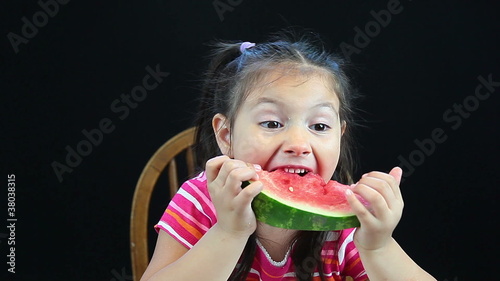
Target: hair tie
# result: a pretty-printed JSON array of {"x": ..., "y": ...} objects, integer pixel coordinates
[{"x": 246, "y": 45}]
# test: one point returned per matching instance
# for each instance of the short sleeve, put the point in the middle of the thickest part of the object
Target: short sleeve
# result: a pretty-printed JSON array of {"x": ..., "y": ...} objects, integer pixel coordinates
[
  {"x": 348, "y": 256},
  {"x": 190, "y": 213}
]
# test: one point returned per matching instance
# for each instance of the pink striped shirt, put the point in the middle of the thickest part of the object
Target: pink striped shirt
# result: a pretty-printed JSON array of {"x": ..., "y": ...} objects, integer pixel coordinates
[{"x": 191, "y": 213}]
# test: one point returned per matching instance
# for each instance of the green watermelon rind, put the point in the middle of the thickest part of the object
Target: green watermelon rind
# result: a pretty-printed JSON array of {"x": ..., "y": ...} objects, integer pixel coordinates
[{"x": 273, "y": 212}]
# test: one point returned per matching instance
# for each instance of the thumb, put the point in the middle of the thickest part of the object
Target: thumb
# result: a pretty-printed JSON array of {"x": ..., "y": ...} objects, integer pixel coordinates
[{"x": 396, "y": 173}]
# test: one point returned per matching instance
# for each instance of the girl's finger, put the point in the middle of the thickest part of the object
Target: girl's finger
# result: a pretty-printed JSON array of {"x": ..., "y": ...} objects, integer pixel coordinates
[
  {"x": 397, "y": 174},
  {"x": 238, "y": 175},
  {"x": 381, "y": 186},
  {"x": 363, "y": 214},
  {"x": 378, "y": 204},
  {"x": 213, "y": 166},
  {"x": 228, "y": 166},
  {"x": 246, "y": 195},
  {"x": 393, "y": 178}
]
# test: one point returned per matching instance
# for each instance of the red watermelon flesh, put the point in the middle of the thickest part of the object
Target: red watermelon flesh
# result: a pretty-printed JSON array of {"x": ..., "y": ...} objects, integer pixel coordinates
[{"x": 305, "y": 202}]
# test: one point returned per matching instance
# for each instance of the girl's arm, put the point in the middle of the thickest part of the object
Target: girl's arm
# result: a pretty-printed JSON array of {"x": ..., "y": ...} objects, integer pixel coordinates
[
  {"x": 216, "y": 254},
  {"x": 381, "y": 255},
  {"x": 214, "y": 257},
  {"x": 391, "y": 263}
]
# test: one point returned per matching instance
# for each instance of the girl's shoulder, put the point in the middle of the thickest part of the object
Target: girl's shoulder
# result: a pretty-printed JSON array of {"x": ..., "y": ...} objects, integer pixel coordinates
[
  {"x": 198, "y": 183},
  {"x": 340, "y": 255},
  {"x": 338, "y": 242},
  {"x": 201, "y": 178},
  {"x": 196, "y": 190},
  {"x": 340, "y": 235}
]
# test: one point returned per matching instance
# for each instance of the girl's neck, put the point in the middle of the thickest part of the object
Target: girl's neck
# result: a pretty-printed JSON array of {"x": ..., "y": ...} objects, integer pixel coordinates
[{"x": 276, "y": 241}]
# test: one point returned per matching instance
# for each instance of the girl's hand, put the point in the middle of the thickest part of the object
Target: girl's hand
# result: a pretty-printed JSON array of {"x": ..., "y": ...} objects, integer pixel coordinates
[
  {"x": 382, "y": 191},
  {"x": 232, "y": 203}
]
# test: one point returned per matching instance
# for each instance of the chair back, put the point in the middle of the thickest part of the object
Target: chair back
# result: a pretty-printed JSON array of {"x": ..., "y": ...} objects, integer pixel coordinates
[{"x": 164, "y": 157}]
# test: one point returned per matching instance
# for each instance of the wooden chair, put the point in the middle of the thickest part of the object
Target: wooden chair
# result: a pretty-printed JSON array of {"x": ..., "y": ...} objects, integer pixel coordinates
[{"x": 164, "y": 157}]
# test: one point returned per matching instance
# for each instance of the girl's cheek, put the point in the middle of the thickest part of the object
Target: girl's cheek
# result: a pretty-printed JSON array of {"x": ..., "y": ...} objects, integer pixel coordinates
[
  {"x": 327, "y": 155},
  {"x": 252, "y": 149}
]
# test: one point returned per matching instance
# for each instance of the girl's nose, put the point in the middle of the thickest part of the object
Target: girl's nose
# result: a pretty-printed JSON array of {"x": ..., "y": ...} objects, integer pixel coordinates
[{"x": 296, "y": 143}]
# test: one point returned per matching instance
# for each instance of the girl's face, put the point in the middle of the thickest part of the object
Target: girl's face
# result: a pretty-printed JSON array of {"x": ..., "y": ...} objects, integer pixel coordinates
[{"x": 291, "y": 123}]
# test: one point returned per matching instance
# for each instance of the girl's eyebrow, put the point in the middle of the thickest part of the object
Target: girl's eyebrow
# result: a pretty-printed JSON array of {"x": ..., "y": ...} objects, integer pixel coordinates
[
  {"x": 327, "y": 105},
  {"x": 263, "y": 100},
  {"x": 267, "y": 100}
]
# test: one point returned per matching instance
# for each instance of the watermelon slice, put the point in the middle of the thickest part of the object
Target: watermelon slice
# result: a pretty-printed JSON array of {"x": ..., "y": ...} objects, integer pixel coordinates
[{"x": 303, "y": 202}]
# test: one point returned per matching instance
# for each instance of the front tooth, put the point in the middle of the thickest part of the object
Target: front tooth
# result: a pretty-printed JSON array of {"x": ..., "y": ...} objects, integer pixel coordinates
[{"x": 295, "y": 171}]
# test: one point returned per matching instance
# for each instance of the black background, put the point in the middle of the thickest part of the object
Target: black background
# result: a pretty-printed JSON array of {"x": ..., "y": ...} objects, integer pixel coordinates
[{"x": 412, "y": 71}]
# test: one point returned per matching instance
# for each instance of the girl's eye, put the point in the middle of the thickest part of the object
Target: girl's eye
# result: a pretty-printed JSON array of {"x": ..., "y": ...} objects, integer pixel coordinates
[
  {"x": 271, "y": 124},
  {"x": 320, "y": 127}
]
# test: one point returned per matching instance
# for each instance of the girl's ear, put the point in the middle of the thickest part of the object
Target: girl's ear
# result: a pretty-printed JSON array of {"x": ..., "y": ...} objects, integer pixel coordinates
[
  {"x": 343, "y": 126},
  {"x": 222, "y": 132}
]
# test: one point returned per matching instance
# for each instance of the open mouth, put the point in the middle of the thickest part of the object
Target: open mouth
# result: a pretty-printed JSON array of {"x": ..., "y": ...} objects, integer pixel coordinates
[{"x": 299, "y": 171}]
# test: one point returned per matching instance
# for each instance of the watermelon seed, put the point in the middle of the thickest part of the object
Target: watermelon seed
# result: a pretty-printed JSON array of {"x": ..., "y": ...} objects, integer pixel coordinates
[{"x": 290, "y": 188}]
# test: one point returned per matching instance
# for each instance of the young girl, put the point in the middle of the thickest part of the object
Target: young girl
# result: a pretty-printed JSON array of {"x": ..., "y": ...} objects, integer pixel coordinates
[{"x": 278, "y": 105}]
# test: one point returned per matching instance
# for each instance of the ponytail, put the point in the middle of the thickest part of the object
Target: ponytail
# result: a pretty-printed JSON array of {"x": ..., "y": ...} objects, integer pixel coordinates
[{"x": 214, "y": 99}]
